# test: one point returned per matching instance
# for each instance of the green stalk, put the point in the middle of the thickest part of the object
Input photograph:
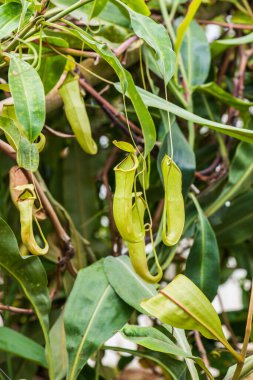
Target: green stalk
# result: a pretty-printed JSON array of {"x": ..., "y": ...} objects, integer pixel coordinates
[
  {"x": 68, "y": 10},
  {"x": 188, "y": 103}
]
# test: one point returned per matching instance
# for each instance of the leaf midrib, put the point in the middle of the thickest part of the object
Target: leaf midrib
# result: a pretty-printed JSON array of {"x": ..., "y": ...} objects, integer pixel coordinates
[{"x": 79, "y": 351}]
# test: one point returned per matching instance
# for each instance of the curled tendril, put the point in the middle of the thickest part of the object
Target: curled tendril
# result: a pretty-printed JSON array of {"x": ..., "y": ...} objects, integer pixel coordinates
[
  {"x": 41, "y": 143},
  {"x": 26, "y": 204},
  {"x": 174, "y": 212}
]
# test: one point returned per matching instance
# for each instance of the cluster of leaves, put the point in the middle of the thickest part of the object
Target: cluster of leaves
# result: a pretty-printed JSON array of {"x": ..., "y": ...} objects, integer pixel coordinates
[{"x": 75, "y": 76}]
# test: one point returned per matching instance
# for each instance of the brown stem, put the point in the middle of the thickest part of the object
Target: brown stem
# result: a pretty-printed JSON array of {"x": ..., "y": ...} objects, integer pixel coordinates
[
  {"x": 105, "y": 104},
  {"x": 224, "y": 66},
  {"x": 68, "y": 249},
  {"x": 125, "y": 45},
  {"x": 58, "y": 133},
  {"x": 227, "y": 322},
  {"x": 226, "y": 25},
  {"x": 201, "y": 349},
  {"x": 17, "y": 310}
]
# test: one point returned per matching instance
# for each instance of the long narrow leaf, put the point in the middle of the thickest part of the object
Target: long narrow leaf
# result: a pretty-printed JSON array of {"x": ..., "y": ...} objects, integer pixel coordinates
[
  {"x": 155, "y": 101},
  {"x": 17, "y": 344}
]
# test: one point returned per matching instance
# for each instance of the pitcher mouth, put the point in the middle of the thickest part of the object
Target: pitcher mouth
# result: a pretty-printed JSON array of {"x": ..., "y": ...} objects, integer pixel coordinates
[{"x": 135, "y": 164}]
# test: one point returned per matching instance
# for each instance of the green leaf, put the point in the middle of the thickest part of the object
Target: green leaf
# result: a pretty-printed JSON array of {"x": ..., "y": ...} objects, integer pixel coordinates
[
  {"x": 237, "y": 221},
  {"x": 239, "y": 179},
  {"x": 224, "y": 96},
  {"x": 123, "y": 145},
  {"x": 28, "y": 96},
  {"x": 156, "y": 36},
  {"x": 246, "y": 370},
  {"x": 174, "y": 368},
  {"x": 111, "y": 13},
  {"x": 218, "y": 46},
  {"x": 77, "y": 116},
  {"x": 127, "y": 83},
  {"x": 137, "y": 6},
  {"x": 193, "y": 7},
  {"x": 93, "y": 313},
  {"x": 59, "y": 353},
  {"x": 182, "y": 304},
  {"x": 18, "y": 344},
  {"x": 184, "y": 344},
  {"x": 28, "y": 155},
  {"x": 195, "y": 54},
  {"x": 155, "y": 340},
  {"x": 155, "y": 101},
  {"x": 9, "y": 18},
  {"x": 32, "y": 278},
  {"x": 203, "y": 262},
  {"x": 126, "y": 282}
]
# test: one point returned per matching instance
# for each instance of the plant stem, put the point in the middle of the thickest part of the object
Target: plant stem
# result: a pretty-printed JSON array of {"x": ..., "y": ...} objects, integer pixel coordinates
[
  {"x": 68, "y": 10},
  {"x": 226, "y": 24},
  {"x": 239, "y": 366},
  {"x": 17, "y": 310}
]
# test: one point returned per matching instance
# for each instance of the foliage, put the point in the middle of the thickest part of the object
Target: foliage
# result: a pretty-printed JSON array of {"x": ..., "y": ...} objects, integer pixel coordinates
[{"x": 126, "y": 187}]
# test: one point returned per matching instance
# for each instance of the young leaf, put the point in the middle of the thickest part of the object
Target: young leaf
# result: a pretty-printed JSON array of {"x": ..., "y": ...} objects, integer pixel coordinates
[
  {"x": 138, "y": 6},
  {"x": 155, "y": 340},
  {"x": 218, "y": 46},
  {"x": 87, "y": 328},
  {"x": 77, "y": 115},
  {"x": 17, "y": 344},
  {"x": 123, "y": 145},
  {"x": 155, "y": 101},
  {"x": 246, "y": 370},
  {"x": 203, "y": 262},
  {"x": 182, "y": 304},
  {"x": 9, "y": 18},
  {"x": 225, "y": 97},
  {"x": 126, "y": 282},
  {"x": 32, "y": 278},
  {"x": 193, "y": 7},
  {"x": 28, "y": 96},
  {"x": 156, "y": 36}
]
